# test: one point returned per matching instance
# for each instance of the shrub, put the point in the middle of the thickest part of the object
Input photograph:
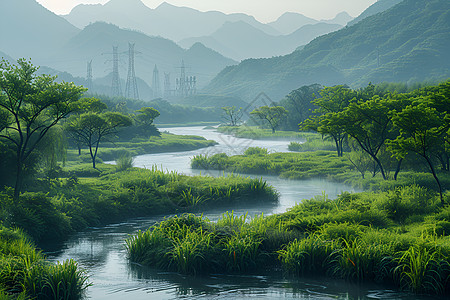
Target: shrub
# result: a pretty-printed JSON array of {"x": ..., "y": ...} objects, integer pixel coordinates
[{"x": 124, "y": 162}]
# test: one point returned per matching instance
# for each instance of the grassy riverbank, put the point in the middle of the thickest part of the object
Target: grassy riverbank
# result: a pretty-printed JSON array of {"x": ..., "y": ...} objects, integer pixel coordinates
[
  {"x": 306, "y": 165},
  {"x": 25, "y": 274},
  {"x": 400, "y": 236},
  {"x": 92, "y": 197},
  {"x": 254, "y": 132},
  {"x": 165, "y": 143}
]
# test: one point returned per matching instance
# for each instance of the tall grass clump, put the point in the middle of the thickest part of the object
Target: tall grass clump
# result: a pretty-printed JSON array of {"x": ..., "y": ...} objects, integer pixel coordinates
[
  {"x": 124, "y": 162},
  {"x": 24, "y": 272},
  {"x": 255, "y": 151},
  {"x": 191, "y": 245},
  {"x": 421, "y": 270},
  {"x": 309, "y": 255}
]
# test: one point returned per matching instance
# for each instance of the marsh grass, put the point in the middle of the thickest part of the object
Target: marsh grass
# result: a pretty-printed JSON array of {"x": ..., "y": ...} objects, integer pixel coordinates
[
  {"x": 286, "y": 165},
  {"x": 24, "y": 272},
  {"x": 352, "y": 237}
]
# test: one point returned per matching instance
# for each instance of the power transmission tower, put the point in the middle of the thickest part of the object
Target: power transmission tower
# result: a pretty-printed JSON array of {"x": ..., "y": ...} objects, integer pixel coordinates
[
  {"x": 131, "y": 90},
  {"x": 167, "y": 91},
  {"x": 89, "y": 76},
  {"x": 156, "y": 84},
  {"x": 115, "y": 87},
  {"x": 181, "y": 82}
]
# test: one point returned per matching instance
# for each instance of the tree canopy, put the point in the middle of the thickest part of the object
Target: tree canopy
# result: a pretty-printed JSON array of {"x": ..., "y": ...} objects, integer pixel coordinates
[{"x": 30, "y": 106}]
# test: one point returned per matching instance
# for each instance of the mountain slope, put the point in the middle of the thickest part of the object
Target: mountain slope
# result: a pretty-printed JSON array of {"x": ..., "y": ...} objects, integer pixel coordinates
[
  {"x": 240, "y": 40},
  {"x": 30, "y": 30},
  {"x": 166, "y": 20},
  {"x": 377, "y": 7},
  {"x": 412, "y": 38},
  {"x": 95, "y": 43}
]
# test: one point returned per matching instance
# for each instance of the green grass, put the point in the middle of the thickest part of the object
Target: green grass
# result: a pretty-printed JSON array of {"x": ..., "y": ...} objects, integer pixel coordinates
[
  {"x": 166, "y": 143},
  {"x": 25, "y": 274},
  {"x": 254, "y": 132},
  {"x": 355, "y": 237},
  {"x": 58, "y": 207},
  {"x": 286, "y": 165},
  {"x": 314, "y": 164}
]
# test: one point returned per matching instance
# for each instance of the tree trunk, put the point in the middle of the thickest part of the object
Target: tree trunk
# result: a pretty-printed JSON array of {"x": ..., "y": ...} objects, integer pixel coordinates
[
  {"x": 18, "y": 184},
  {"x": 379, "y": 166},
  {"x": 433, "y": 171},
  {"x": 92, "y": 157},
  {"x": 399, "y": 164}
]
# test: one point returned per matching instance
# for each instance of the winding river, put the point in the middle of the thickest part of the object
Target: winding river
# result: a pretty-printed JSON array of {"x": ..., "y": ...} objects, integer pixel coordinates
[{"x": 102, "y": 253}]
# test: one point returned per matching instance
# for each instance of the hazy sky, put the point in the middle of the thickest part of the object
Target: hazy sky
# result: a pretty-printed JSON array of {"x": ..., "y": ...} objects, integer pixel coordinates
[{"x": 263, "y": 10}]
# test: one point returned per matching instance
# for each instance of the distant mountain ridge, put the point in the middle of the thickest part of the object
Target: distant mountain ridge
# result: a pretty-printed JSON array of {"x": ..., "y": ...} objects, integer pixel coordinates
[
  {"x": 238, "y": 36},
  {"x": 166, "y": 20},
  {"x": 96, "y": 40},
  {"x": 408, "y": 42},
  {"x": 240, "y": 40},
  {"x": 377, "y": 7},
  {"x": 290, "y": 21},
  {"x": 30, "y": 30}
]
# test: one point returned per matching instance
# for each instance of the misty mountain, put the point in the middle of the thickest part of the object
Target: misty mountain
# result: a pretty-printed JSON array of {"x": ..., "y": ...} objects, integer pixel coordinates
[
  {"x": 30, "y": 30},
  {"x": 377, "y": 7},
  {"x": 409, "y": 42},
  {"x": 240, "y": 40},
  {"x": 290, "y": 21},
  {"x": 95, "y": 43},
  {"x": 341, "y": 18},
  {"x": 166, "y": 20}
]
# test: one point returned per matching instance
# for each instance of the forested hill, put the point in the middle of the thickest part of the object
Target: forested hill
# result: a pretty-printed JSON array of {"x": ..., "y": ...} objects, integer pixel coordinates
[
  {"x": 377, "y": 7},
  {"x": 408, "y": 42}
]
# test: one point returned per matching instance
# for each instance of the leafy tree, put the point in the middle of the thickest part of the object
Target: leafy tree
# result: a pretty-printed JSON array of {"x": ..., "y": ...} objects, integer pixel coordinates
[
  {"x": 147, "y": 115},
  {"x": 274, "y": 115},
  {"x": 300, "y": 104},
  {"x": 30, "y": 106},
  {"x": 92, "y": 128},
  {"x": 326, "y": 120},
  {"x": 232, "y": 115},
  {"x": 422, "y": 131},
  {"x": 369, "y": 123},
  {"x": 93, "y": 105}
]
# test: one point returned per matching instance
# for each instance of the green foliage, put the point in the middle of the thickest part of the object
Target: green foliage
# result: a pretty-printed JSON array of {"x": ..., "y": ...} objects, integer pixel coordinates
[
  {"x": 124, "y": 162},
  {"x": 299, "y": 104},
  {"x": 255, "y": 151},
  {"x": 286, "y": 165},
  {"x": 30, "y": 106},
  {"x": 75, "y": 203},
  {"x": 232, "y": 115},
  {"x": 24, "y": 273},
  {"x": 253, "y": 132},
  {"x": 91, "y": 128},
  {"x": 273, "y": 115}
]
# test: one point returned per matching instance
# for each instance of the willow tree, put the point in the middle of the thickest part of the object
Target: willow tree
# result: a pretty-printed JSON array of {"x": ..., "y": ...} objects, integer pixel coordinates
[{"x": 30, "y": 106}]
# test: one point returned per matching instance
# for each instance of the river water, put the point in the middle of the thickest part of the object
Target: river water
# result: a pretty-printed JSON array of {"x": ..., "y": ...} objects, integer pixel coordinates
[{"x": 102, "y": 253}]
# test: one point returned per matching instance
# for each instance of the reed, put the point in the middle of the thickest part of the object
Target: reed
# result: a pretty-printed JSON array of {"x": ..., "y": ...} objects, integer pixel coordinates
[{"x": 420, "y": 270}]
